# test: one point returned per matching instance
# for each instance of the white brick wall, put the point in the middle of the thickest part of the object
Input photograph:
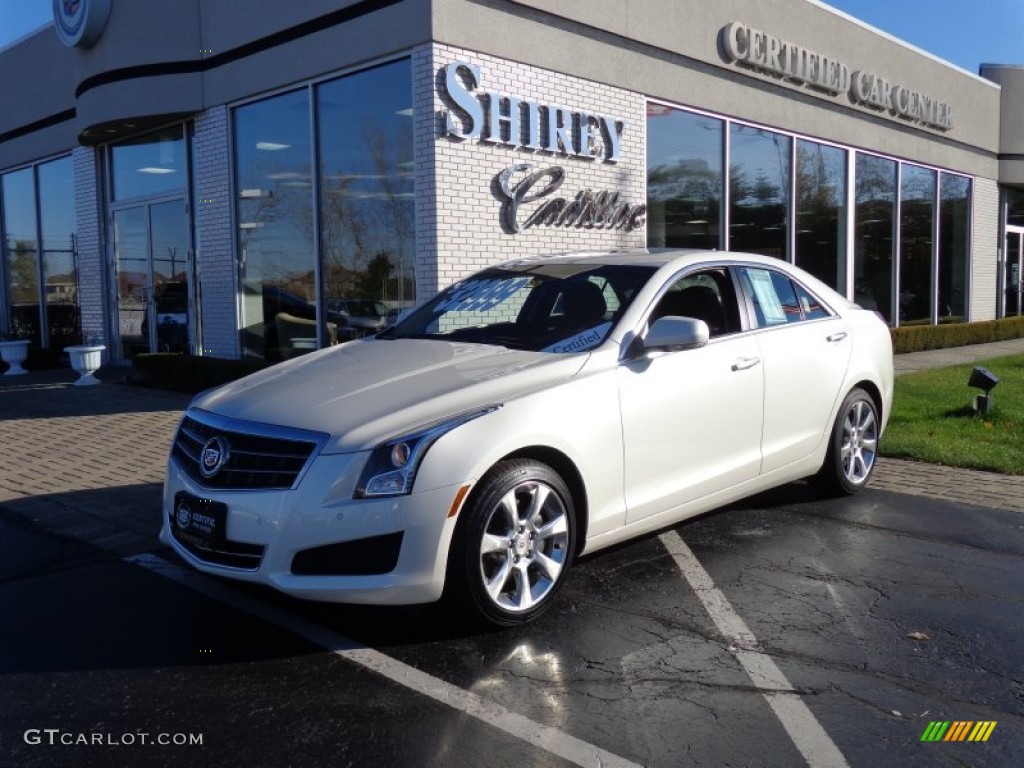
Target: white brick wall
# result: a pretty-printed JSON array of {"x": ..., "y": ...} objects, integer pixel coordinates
[
  {"x": 92, "y": 261},
  {"x": 986, "y": 239},
  {"x": 459, "y": 214},
  {"x": 215, "y": 247}
]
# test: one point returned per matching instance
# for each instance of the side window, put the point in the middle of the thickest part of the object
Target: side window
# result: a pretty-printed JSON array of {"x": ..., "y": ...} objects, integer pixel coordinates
[
  {"x": 773, "y": 296},
  {"x": 707, "y": 296},
  {"x": 813, "y": 309}
]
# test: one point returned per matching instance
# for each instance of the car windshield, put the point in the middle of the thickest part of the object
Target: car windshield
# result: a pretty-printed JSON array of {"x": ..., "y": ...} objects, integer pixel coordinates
[{"x": 540, "y": 307}]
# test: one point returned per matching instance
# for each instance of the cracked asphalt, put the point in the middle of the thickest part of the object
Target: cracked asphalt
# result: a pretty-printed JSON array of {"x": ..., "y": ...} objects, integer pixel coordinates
[{"x": 885, "y": 611}]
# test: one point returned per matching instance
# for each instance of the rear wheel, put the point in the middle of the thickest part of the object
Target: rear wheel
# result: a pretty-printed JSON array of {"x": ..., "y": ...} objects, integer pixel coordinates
[
  {"x": 513, "y": 545},
  {"x": 853, "y": 447}
]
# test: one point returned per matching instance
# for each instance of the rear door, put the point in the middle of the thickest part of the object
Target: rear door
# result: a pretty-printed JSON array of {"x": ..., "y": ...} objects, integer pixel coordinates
[{"x": 806, "y": 351}]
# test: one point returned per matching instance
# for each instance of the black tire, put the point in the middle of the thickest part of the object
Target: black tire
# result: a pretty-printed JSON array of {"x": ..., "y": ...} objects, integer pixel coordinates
[
  {"x": 512, "y": 546},
  {"x": 853, "y": 446}
]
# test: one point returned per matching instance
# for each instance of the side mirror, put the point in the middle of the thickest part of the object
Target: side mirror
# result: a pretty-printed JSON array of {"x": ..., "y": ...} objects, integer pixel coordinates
[{"x": 673, "y": 333}]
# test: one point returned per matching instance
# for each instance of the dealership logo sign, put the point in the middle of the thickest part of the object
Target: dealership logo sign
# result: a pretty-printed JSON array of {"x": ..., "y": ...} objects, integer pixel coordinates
[
  {"x": 80, "y": 23},
  {"x": 527, "y": 192},
  {"x": 758, "y": 50},
  {"x": 513, "y": 121},
  {"x": 587, "y": 210}
]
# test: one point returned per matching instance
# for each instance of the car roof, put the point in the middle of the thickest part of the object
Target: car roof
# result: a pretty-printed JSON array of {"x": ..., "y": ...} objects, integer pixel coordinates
[
  {"x": 652, "y": 257},
  {"x": 675, "y": 259}
]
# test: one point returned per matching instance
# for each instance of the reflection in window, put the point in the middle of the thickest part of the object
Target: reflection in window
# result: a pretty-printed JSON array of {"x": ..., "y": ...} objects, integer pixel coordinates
[
  {"x": 917, "y": 219},
  {"x": 821, "y": 212},
  {"x": 954, "y": 247},
  {"x": 1015, "y": 207},
  {"x": 367, "y": 216},
  {"x": 758, "y": 190},
  {"x": 22, "y": 254},
  {"x": 149, "y": 165},
  {"x": 60, "y": 267},
  {"x": 275, "y": 219},
  {"x": 873, "y": 229},
  {"x": 684, "y": 178}
]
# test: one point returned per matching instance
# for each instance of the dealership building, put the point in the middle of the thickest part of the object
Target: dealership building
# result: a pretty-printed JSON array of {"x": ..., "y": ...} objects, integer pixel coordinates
[{"x": 225, "y": 177}]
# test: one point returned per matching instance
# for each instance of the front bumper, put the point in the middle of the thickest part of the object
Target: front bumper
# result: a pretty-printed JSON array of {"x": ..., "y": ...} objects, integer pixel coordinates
[{"x": 276, "y": 525}]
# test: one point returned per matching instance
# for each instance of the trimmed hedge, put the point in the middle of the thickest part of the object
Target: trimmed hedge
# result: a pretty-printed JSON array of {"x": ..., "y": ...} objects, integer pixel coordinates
[
  {"x": 917, "y": 338},
  {"x": 188, "y": 373}
]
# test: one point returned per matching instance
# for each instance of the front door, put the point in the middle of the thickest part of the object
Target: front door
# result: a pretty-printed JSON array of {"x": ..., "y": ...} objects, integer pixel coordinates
[
  {"x": 1014, "y": 261},
  {"x": 691, "y": 422},
  {"x": 152, "y": 256}
]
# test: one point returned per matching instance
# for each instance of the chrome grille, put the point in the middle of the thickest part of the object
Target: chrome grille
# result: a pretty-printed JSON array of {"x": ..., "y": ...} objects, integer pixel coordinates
[{"x": 261, "y": 456}]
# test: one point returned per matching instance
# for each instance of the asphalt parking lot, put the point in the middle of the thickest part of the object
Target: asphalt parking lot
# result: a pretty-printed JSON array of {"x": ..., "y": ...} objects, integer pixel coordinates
[{"x": 786, "y": 630}]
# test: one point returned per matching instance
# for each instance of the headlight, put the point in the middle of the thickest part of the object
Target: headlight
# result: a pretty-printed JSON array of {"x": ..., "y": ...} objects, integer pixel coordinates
[{"x": 391, "y": 468}]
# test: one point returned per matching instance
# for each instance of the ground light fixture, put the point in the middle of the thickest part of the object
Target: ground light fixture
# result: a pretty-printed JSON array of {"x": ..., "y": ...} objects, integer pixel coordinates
[{"x": 985, "y": 380}]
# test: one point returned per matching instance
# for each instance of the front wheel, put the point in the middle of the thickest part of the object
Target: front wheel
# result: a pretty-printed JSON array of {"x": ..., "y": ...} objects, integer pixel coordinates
[
  {"x": 513, "y": 545},
  {"x": 853, "y": 447}
]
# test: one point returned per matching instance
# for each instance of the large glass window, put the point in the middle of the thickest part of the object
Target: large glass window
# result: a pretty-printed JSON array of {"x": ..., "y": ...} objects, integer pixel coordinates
[
  {"x": 364, "y": 230},
  {"x": 685, "y": 157},
  {"x": 367, "y": 216},
  {"x": 954, "y": 247},
  {"x": 60, "y": 267},
  {"x": 917, "y": 226},
  {"x": 821, "y": 212},
  {"x": 273, "y": 176},
  {"x": 22, "y": 254},
  {"x": 153, "y": 164},
  {"x": 873, "y": 233},
  {"x": 758, "y": 190}
]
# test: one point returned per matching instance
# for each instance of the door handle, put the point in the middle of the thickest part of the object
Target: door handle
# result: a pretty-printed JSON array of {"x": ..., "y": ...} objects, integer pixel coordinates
[
  {"x": 836, "y": 337},
  {"x": 745, "y": 362}
]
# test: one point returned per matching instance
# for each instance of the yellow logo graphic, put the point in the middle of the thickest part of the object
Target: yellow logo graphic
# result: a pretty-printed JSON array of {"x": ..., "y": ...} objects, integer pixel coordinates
[{"x": 958, "y": 730}]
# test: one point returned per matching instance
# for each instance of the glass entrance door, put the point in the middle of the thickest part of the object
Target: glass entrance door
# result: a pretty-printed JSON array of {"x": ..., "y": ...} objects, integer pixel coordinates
[
  {"x": 151, "y": 250},
  {"x": 1014, "y": 258}
]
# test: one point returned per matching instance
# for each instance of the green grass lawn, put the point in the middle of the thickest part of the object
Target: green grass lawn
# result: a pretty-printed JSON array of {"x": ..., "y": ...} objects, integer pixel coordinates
[{"x": 932, "y": 419}]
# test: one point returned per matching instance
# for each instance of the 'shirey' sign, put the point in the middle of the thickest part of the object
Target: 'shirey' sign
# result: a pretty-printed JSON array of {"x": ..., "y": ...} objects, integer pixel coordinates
[
  {"x": 528, "y": 191},
  {"x": 759, "y": 50}
]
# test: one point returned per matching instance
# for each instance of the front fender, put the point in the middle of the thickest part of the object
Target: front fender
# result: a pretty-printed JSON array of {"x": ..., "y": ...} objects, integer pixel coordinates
[{"x": 580, "y": 419}]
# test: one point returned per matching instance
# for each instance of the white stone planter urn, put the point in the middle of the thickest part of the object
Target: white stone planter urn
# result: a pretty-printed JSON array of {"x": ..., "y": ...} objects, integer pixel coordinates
[
  {"x": 86, "y": 360},
  {"x": 14, "y": 353}
]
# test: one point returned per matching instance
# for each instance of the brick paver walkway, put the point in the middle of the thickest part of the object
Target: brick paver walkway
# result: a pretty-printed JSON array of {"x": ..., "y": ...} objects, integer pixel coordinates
[
  {"x": 86, "y": 461},
  {"x": 965, "y": 486}
]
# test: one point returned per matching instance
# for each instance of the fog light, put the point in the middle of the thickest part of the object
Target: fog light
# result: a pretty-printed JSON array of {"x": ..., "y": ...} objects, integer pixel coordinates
[{"x": 985, "y": 380}]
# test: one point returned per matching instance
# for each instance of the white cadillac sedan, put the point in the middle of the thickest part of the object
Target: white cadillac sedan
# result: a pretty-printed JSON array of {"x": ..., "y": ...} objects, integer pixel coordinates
[{"x": 536, "y": 411}]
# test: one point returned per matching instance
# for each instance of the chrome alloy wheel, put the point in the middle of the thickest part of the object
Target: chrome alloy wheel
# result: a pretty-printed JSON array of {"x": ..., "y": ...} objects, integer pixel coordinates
[
  {"x": 524, "y": 546},
  {"x": 860, "y": 442}
]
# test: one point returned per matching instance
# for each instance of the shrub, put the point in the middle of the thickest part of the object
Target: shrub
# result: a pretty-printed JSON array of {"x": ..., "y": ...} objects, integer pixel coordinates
[
  {"x": 917, "y": 338},
  {"x": 188, "y": 373}
]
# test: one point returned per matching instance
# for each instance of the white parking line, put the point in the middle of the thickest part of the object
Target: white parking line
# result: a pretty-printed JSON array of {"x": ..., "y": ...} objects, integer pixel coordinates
[
  {"x": 800, "y": 723},
  {"x": 545, "y": 737}
]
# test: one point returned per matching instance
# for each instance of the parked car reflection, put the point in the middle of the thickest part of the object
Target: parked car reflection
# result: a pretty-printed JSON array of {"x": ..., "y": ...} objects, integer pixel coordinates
[{"x": 362, "y": 317}]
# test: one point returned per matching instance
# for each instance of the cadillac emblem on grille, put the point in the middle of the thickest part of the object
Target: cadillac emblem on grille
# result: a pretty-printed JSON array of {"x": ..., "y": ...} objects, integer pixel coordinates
[{"x": 213, "y": 456}]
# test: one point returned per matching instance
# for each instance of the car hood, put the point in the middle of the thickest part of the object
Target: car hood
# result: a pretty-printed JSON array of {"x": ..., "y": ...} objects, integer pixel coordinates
[{"x": 367, "y": 391}]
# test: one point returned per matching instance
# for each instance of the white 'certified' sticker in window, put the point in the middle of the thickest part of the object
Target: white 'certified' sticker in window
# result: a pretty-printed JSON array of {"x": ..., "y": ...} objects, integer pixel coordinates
[{"x": 582, "y": 341}]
